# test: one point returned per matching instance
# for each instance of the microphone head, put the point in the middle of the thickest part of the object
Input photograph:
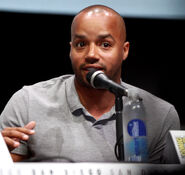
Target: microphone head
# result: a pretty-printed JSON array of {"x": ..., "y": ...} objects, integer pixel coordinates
[
  {"x": 91, "y": 77},
  {"x": 89, "y": 74}
]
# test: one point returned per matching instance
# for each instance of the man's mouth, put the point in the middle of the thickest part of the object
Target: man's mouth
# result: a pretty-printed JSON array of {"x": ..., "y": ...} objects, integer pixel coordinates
[{"x": 90, "y": 68}]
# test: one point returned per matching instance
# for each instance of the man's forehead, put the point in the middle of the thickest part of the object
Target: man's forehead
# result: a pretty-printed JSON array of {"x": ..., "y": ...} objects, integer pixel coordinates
[
  {"x": 100, "y": 12},
  {"x": 97, "y": 15},
  {"x": 99, "y": 36}
]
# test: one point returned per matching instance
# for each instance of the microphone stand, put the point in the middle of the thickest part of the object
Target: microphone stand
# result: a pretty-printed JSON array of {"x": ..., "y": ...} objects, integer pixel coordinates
[{"x": 119, "y": 126}]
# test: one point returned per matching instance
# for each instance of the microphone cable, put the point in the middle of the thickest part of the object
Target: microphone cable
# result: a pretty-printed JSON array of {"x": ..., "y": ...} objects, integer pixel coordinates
[{"x": 116, "y": 148}]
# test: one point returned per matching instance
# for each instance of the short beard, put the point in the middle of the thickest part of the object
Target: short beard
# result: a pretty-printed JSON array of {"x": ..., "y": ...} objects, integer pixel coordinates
[
  {"x": 79, "y": 79},
  {"x": 82, "y": 82}
]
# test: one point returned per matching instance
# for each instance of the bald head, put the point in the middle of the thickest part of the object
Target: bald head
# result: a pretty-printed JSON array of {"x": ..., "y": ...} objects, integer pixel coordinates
[{"x": 101, "y": 10}]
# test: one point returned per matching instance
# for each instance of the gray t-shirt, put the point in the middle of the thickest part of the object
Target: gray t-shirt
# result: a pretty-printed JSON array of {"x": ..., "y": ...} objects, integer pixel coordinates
[{"x": 65, "y": 129}]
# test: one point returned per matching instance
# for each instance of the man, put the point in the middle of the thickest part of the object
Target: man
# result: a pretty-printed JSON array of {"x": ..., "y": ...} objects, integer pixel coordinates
[{"x": 65, "y": 117}]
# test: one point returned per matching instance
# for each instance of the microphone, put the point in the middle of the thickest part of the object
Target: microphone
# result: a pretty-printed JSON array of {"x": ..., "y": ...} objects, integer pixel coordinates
[{"x": 98, "y": 80}]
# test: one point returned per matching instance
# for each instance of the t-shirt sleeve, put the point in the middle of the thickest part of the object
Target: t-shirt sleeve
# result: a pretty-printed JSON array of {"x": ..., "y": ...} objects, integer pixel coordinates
[{"x": 15, "y": 114}]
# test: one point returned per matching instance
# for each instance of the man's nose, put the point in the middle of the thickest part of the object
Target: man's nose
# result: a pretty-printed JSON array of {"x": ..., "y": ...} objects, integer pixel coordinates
[{"x": 92, "y": 54}]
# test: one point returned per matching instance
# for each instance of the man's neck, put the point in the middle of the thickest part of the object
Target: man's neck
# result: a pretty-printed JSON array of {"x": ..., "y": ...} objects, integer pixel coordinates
[{"x": 96, "y": 101}]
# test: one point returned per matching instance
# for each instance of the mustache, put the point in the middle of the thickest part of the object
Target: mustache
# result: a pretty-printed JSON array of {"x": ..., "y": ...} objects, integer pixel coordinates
[{"x": 84, "y": 65}]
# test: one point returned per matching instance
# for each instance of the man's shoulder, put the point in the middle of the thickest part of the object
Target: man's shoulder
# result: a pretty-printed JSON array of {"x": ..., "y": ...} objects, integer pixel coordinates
[
  {"x": 50, "y": 87},
  {"x": 149, "y": 98},
  {"x": 51, "y": 83}
]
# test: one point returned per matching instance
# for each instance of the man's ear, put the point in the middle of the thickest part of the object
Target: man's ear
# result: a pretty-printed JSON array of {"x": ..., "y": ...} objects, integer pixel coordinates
[
  {"x": 126, "y": 47},
  {"x": 70, "y": 49}
]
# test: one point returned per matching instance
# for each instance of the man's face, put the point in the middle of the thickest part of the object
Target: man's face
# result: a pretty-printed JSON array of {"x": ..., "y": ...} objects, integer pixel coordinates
[{"x": 97, "y": 43}]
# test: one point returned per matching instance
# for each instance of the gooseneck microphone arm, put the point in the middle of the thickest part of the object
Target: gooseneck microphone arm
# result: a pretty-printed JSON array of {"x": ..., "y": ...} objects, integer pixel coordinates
[
  {"x": 119, "y": 128},
  {"x": 99, "y": 80}
]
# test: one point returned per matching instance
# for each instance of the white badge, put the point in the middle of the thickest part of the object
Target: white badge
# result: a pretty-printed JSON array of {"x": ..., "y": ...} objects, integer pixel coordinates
[{"x": 178, "y": 137}]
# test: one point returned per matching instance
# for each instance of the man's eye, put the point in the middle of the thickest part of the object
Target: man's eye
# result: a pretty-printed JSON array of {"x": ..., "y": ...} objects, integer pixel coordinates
[
  {"x": 80, "y": 44},
  {"x": 105, "y": 44}
]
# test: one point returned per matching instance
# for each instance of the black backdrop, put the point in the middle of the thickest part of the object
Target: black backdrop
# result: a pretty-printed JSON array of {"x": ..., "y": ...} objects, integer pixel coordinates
[{"x": 35, "y": 47}]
